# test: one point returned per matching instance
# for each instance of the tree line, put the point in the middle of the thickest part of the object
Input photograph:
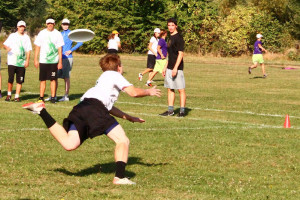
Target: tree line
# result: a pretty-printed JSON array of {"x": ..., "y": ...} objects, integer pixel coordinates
[{"x": 221, "y": 27}]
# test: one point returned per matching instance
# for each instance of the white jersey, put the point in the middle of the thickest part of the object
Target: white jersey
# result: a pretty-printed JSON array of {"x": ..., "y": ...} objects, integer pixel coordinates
[
  {"x": 154, "y": 42},
  {"x": 49, "y": 42},
  {"x": 20, "y": 45},
  {"x": 113, "y": 43},
  {"x": 107, "y": 88}
]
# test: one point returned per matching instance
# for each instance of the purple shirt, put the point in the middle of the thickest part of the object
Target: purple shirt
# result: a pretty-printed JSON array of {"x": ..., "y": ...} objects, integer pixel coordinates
[
  {"x": 164, "y": 48},
  {"x": 257, "y": 50}
]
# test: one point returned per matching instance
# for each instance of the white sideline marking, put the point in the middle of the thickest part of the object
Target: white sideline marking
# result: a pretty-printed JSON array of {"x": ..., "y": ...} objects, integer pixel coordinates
[
  {"x": 216, "y": 110},
  {"x": 193, "y": 108}
]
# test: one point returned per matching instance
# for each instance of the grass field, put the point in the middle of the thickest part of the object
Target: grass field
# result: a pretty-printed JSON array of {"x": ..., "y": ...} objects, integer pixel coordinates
[{"x": 231, "y": 145}]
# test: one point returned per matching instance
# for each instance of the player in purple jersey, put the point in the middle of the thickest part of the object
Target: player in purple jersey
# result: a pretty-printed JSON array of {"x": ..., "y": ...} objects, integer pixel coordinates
[{"x": 257, "y": 56}]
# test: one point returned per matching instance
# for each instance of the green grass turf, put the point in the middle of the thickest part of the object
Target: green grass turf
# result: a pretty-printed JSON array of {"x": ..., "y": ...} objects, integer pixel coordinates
[{"x": 231, "y": 145}]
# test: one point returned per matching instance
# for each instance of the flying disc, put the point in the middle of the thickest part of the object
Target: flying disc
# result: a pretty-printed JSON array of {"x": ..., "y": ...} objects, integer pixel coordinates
[{"x": 81, "y": 35}]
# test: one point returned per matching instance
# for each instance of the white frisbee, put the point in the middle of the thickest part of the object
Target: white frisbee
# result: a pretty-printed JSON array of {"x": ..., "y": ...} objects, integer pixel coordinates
[{"x": 81, "y": 35}]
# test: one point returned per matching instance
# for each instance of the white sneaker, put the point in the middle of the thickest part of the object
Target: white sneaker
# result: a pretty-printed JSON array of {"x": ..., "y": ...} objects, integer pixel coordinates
[
  {"x": 140, "y": 76},
  {"x": 34, "y": 107},
  {"x": 123, "y": 181},
  {"x": 64, "y": 98},
  {"x": 49, "y": 98}
]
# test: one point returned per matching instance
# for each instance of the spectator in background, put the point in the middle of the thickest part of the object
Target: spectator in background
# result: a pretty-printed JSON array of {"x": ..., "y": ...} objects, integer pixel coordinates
[
  {"x": 67, "y": 58},
  {"x": 114, "y": 43},
  {"x": 18, "y": 46},
  {"x": 48, "y": 44}
]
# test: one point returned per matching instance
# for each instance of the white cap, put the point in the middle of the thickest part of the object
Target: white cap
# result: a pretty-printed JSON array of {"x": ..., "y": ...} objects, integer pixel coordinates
[
  {"x": 259, "y": 36},
  {"x": 50, "y": 21},
  {"x": 21, "y": 23},
  {"x": 65, "y": 21},
  {"x": 157, "y": 30}
]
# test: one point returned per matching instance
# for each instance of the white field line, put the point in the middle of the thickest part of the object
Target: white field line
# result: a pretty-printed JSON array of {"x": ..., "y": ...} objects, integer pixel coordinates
[
  {"x": 215, "y": 110},
  {"x": 193, "y": 108}
]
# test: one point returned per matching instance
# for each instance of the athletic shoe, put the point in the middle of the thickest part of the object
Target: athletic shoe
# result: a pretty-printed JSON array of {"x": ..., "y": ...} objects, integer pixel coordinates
[
  {"x": 0, "y": 95},
  {"x": 34, "y": 107},
  {"x": 249, "y": 70},
  {"x": 41, "y": 99},
  {"x": 64, "y": 98},
  {"x": 140, "y": 76},
  {"x": 8, "y": 97},
  {"x": 49, "y": 98},
  {"x": 265, "y": 76},
  {"x": 181, "y": 114},
  {"x": 123, "y": 181},
  {"x": 149, "y": 84},
  {"x": 53, "y": 100},
  {"x": 17, "y": 99},
  {"x": 167, "y": 113}
]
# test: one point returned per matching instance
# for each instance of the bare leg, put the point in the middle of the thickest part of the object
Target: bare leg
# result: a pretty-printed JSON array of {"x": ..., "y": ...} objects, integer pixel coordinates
[
  {"x": 152, "y": 75},
  {"x": 118, "y": 135},
  {"x": 42, "y": 88},
  {"x": 69, "y": 141},
  {"x": 171, "y": 97},
  {"x": 67, "y": 86},
  {"x": 182, "y": 97},
  {"x": 53, "y": 87},
  {"x": 146, "y": 71},
  {"x": 18, "y": 88},
  {"x": 263, "y": 68},
  {"x": 254, "y": 65},
  {"x": 9, "y": 87}
]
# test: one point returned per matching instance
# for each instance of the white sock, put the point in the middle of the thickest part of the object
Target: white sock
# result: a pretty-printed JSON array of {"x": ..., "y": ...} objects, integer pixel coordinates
[
  {"x": 16, "y": 96},
  {"x": 8, "y": 93}
]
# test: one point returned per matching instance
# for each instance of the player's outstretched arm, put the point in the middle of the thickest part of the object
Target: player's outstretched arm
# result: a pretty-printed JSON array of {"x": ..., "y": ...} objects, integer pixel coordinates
[
  {"x": 138, "y": 92},
  {"x": 118, "y": 113}
]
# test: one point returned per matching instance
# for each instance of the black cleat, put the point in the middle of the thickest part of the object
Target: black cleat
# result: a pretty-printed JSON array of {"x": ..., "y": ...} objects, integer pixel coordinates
[
  {"x": 8, "y": 97},
  {"x": 167, "y": 113},
  {"x": 53, "y": 100},
  {"x": 181, "y": 114}
]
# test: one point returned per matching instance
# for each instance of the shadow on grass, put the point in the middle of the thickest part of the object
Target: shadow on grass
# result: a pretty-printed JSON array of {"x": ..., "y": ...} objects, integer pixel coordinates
[
  {"x": 255, "y": 77},
  {"x": 107, "y": 168},
  {"x": 187, "y": 110}
]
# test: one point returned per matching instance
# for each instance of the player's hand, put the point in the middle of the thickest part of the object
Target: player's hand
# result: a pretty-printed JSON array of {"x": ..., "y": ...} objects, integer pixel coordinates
[
  {"x": 154, "y": 92},
  {"x": 59, "y": 66},
  {"x": 135, "y": 119},
  {"x": 68, "y": 52},
  {"x": 174, "y": 72},
  {"x": 36, "y": 64},
  {"x": 163, "y": 57},
  {"x": 163, "y": 73},
  {"x": 26, "y": 64}
]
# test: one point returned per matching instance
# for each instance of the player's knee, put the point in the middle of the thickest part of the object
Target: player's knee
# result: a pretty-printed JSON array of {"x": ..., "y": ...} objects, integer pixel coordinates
[
  {"x": 70, "y": 147},
  {"x": 124, "y": 141}
]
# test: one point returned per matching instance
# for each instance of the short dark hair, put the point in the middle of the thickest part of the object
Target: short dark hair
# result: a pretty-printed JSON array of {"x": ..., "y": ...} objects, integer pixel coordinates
[
  {"x": 110, "y": 62},
  {"x": 172, "y": 20}
]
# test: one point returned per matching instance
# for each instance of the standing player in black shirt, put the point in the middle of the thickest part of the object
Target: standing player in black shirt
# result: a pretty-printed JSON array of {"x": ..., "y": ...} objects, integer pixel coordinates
[{"x": 173, "y": 71}]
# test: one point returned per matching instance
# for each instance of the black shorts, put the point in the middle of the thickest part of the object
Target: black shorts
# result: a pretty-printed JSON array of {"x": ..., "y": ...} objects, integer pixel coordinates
[
  {"x": 20, "y": 74},
  {"x": 48, "y": 71},
  {"x": 151, "y": 61},
  {"x": 90, "y": 118},
  {"x": 112, "y": 51}
]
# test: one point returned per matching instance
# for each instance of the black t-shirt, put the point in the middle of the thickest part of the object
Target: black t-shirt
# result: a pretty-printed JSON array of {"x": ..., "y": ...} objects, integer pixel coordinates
[{"x": 175, "y": 44}]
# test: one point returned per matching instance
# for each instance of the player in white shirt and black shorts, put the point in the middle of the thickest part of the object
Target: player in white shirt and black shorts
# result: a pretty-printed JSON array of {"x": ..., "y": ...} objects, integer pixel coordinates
[
  {"x": 93, "y": 115},
  {"x": 18, "y": 46},
  {"x": 152, "y": 53},
  {"x": 49, "y": 44}
]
